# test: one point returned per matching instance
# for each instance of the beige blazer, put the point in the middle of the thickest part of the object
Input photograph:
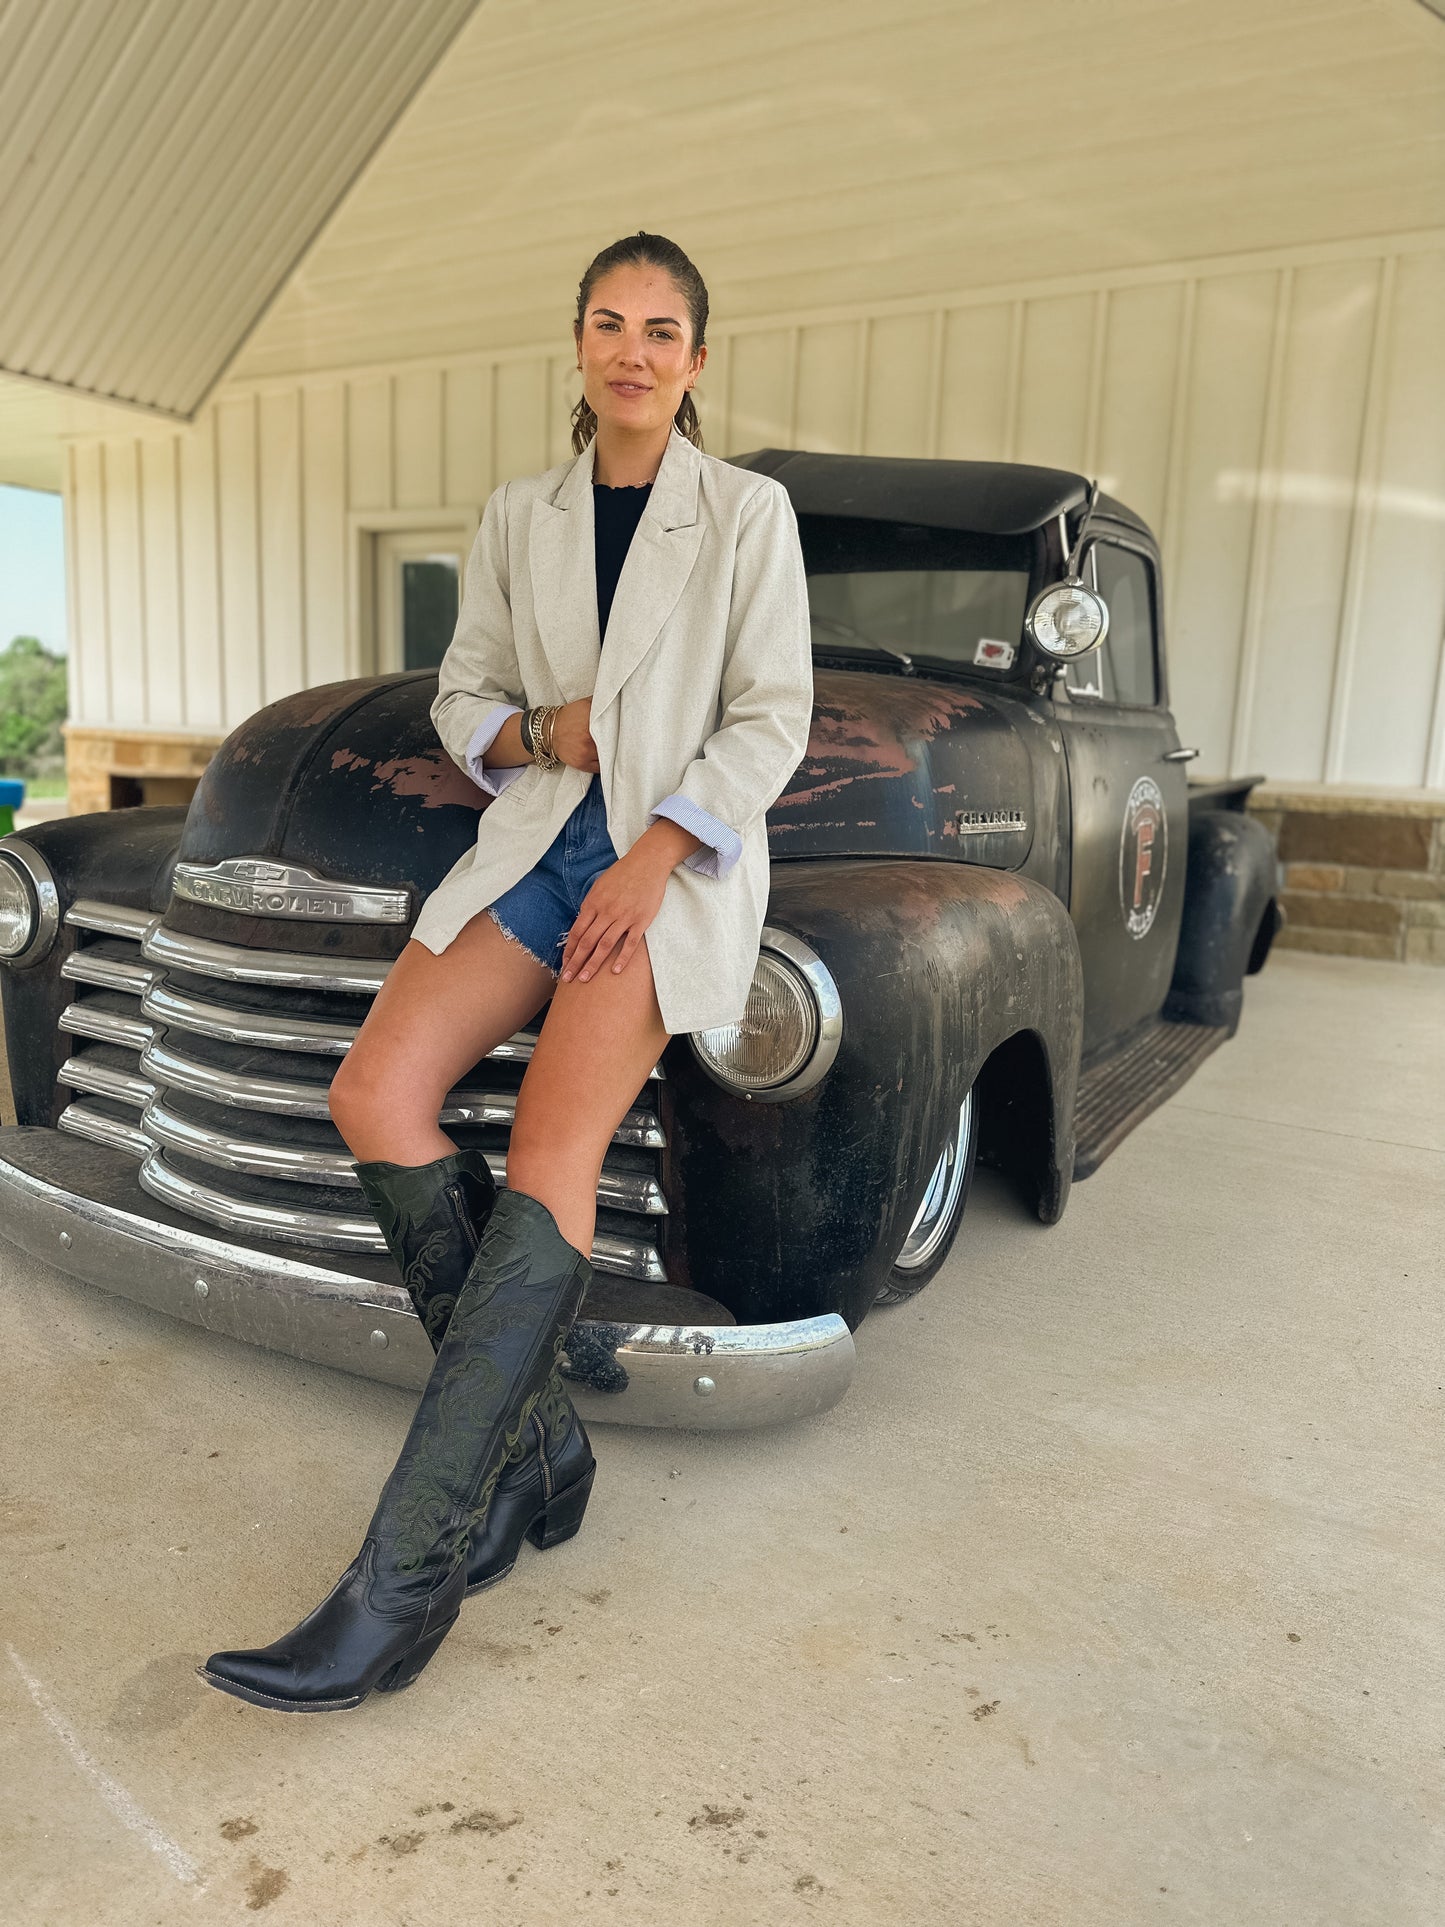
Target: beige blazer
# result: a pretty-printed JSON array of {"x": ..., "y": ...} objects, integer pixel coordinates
[{"x": 705, "y": 689}]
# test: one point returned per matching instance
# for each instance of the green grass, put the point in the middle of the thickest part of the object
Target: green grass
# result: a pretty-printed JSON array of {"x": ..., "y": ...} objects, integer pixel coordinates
[{"x": 44, "y": 789}]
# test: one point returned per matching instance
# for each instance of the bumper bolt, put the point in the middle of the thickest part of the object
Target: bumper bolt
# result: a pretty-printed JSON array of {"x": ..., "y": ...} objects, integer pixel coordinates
[
  {"x": 704, "y": 1387},
  {"x": 202, "y": 1289},
  {"x": 65, "y": 1241},
  {"x": 378, "y": 1339}
]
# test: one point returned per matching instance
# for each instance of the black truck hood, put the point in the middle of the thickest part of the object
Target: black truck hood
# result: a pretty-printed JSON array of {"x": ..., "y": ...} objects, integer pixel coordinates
[{"x": 350, "y": 781}]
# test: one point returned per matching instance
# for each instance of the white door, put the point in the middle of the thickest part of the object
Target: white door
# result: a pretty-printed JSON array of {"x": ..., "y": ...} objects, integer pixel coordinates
[{"x": 418, "y": 573}]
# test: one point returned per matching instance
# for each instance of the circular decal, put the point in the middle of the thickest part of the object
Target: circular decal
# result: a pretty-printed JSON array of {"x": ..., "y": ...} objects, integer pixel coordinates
[{"x": 1143, "y": 856}]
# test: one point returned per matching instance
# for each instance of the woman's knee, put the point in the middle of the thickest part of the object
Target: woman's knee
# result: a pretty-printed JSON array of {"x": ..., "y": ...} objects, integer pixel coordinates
[{"x": 365, "y": 1084}]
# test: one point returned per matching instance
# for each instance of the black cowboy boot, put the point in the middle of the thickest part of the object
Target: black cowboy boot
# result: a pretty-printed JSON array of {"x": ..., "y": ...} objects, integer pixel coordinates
[
  {"x": 432, "y": 1216},
  {"x": 399, "y": 1597}
]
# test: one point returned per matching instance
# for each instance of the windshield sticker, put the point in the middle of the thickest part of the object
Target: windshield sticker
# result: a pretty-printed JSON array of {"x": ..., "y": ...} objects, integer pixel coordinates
[
  {"x": 994, "y": 655},
  {"x": 1143, "y": 856}
]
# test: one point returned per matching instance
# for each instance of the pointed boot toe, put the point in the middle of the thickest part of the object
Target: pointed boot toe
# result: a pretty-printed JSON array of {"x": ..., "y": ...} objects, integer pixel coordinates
[{"x": 353, "y": 1643}]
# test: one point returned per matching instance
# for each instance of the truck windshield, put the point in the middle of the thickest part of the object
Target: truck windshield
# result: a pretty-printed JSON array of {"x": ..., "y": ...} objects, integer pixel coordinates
[{"x": 941, "y": 595}]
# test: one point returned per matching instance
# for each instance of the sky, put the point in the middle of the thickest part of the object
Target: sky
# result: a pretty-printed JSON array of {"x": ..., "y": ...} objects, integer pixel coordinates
[{"x": 32, "y": 567}]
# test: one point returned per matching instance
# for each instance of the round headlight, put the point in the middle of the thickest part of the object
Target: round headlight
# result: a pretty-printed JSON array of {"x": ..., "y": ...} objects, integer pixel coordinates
[
  {"x": 789, "y": 1031},
  {"x": 1067, "y": 620},
  {"x": 29, "y": 904},
  {"x": 18, "y": 912}
]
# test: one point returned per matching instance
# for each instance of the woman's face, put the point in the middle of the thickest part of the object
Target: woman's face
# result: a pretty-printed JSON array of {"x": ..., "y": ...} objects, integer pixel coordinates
[{"x": 633, "y": 349}]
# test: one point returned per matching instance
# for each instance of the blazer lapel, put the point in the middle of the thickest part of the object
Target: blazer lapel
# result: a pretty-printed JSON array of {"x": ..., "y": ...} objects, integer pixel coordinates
[
  {"x": 659, "y": 561},
  {"x": 563, "y": 568},
  {"x": 564, "y": 573}
]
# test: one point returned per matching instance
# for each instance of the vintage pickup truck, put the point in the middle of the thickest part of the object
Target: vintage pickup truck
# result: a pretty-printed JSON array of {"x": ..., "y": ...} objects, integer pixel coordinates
[{"x": 1000, "y": 925}]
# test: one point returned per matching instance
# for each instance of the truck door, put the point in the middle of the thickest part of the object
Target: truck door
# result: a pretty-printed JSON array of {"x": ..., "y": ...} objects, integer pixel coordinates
[{"x": 1129, "y": 800}]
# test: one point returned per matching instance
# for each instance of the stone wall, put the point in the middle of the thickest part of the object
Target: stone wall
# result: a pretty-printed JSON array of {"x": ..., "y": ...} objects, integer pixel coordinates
[{"x": 1364, "y": 870}]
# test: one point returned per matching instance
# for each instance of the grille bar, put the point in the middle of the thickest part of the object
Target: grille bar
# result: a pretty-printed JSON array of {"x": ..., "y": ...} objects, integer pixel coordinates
[
  {"x": 99, "y": 965},
  {"x": 85, "y": 1018},
  {"x": 85, "y": 1072},
  {"x": 293, "y": 1097},
  {"x": 634, "y": 1258},
  {"x": 85, "y": 1120}
]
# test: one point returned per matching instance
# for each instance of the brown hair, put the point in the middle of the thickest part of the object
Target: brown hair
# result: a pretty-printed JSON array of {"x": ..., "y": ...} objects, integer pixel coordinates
[{"x": 650, "y": 251}]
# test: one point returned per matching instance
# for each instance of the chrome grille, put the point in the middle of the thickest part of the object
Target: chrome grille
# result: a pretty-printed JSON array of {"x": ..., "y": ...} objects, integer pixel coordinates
[{"x": 212, "y": 1065}]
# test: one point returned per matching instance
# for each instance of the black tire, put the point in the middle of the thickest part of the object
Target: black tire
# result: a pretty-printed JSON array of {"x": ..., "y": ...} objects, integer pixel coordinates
[{"x": 952, "y": 1177}]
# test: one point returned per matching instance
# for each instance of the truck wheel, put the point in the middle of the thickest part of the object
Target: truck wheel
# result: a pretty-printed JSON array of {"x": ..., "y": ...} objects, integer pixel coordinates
[{"x": 933, "y": 1230}]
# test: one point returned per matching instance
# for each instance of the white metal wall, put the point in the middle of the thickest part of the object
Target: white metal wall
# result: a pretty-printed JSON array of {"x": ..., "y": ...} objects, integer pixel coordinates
[{"x": 1278, "y": 418}]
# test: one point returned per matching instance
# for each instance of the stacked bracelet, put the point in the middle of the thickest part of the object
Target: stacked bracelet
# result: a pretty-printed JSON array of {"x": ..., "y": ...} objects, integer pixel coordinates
[{"x": 537, "y": 726}]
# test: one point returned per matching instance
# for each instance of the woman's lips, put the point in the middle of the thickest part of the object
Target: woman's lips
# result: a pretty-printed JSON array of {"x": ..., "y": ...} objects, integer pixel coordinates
[{"x": 629, "y": 388}]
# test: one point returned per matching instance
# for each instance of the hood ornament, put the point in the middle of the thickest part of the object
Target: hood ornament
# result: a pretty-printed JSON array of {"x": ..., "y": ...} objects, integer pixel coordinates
[{"x": 256, "y": 887}]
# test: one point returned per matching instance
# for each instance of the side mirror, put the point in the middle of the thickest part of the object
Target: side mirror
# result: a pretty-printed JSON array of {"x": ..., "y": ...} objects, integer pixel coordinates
[{"x": 1067, "y": 620}]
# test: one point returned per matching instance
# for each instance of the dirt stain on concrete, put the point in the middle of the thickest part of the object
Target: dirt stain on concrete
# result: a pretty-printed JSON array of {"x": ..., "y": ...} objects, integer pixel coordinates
[
  {"x": 239, "y": 1828},
  {"x": 265, "y": 1885},
  {"x": 483, "y": 1820}
]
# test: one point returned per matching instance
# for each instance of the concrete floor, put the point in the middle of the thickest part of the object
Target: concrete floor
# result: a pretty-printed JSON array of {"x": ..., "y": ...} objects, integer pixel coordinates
[{"x": 1110, "y": 1594}]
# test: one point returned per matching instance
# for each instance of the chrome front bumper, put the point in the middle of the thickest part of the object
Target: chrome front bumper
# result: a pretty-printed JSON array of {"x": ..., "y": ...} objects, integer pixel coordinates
[{"x": 694, "y": 1377}]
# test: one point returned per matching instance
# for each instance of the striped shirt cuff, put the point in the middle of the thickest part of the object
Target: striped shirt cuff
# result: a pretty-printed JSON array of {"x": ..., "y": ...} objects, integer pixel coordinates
[
  {"x": 493, "y": 781},
  {"x": 725, "y": 845}
]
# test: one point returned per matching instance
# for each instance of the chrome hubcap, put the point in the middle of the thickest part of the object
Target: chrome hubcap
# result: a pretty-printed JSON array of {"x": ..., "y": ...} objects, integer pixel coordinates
[{"x": 940, "y": 1200}]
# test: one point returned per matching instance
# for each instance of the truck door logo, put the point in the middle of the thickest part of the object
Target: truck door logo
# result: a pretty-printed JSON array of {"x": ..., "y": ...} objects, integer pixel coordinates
[{"x": 1143, "y": 856}]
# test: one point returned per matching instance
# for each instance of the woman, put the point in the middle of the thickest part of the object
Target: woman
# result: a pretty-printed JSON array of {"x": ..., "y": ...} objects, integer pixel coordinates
[{"x": 622, "y": 867}]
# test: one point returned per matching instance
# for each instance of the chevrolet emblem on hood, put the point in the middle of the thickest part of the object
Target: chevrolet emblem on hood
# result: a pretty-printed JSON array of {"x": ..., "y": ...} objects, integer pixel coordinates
[{"x": 259, "y": 888}]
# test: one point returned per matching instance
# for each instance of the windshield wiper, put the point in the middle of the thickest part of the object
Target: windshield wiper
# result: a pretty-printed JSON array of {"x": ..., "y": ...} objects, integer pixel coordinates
[{"x": 856, "y": 635}]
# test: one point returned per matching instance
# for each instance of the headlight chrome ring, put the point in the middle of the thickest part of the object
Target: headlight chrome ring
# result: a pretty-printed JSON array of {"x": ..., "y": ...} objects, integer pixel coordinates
[
  {"x": 788, "y": 1035},
  {"x": 29, "y": 904}
]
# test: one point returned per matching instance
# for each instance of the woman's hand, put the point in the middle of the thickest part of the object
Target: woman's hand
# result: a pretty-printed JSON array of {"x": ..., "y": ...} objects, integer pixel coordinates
[
  {"x": 572, "y": 735},
  {"x": 618, "y": 907}
]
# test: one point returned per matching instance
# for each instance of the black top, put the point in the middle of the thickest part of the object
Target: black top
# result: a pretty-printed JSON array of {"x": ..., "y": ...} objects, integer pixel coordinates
[{"x": 615, "y": 515}]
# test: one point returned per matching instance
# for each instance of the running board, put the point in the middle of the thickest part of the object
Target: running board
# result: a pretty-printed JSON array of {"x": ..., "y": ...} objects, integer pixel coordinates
[{"x": 1119, "y": 1091}]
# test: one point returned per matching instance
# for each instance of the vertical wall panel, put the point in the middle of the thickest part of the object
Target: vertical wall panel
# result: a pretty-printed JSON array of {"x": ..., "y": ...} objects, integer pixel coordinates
[
  {"x": 324, "y": 550},
  {"x": 761, "y": 390},
  {"x": 973, "y": 399},
  {"x": 1224, "y": 404},
  {"x": 468, "y": 403},
  {"x": 827, "y": 384},
  {"x": 165, "y": 651},
  {"x": 368, "y": 442},
  {"x": 239, "y": 559},
  {"x": 1402, "y": 613},
  {"x": 1311, "y": 491},
  {"x": 125, "y": 595},
  {"x": 201, "y": 579},
  {"x": 281, "y": 532},
  {"x": 521, "y": 416},
  {"x": 898, "y": 416},
  {"x": 90, "y": 669},
  {"x": 1054, "y": 386},
  {"x": 1131, "y": 444},
  {"x": 417, "y": 415}
]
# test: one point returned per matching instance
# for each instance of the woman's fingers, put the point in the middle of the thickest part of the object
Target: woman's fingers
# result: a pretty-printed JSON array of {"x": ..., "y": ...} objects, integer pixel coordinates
[{"x": 591, "y": 956}]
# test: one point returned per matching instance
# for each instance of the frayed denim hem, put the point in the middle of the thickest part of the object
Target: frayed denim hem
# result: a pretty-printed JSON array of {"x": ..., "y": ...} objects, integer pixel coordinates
[{"x": 512, "y": 937}]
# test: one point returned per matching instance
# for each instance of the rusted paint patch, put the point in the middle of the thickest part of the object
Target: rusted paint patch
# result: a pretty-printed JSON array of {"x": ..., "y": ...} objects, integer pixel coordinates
[
  {"x": 348, "y": 759},
  {"x": 997, "y": 887},
  {"x": 860, "y": 728},
  {"x": 435, "y": 779}
]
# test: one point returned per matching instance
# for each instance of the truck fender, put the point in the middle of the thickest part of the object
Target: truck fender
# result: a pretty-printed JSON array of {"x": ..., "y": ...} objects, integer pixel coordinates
[
  {"x": 946, "y": 972},
  {"x": 1229, "y": 912},
  {"x": 120, "y": 856}
]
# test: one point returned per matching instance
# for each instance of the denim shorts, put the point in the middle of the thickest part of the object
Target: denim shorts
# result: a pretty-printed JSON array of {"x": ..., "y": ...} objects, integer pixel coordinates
[{"x": 539, "y": 912}]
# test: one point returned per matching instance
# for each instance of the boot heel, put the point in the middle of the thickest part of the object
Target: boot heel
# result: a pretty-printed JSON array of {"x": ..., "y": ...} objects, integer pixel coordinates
[
  {"x": 563, "y": 1515},
  {"x": 406, "y": 1670}
]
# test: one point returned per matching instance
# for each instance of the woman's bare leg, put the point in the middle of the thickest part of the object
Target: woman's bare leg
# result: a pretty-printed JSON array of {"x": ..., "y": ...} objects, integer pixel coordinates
[
  {"x": 597, "y": 1043},
  {"x": 433, "y": 1019}
]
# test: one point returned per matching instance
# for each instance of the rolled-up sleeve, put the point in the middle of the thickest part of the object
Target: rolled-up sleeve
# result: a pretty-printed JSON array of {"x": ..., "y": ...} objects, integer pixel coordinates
[
  {"x": 479, "y": 684},
  {"x": 766, "y": 692},
  {"x": 493, "y": 781}
]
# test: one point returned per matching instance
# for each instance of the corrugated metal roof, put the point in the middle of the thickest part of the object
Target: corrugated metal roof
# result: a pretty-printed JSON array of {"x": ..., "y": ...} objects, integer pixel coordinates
[{"x": 164, "y": 164}]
